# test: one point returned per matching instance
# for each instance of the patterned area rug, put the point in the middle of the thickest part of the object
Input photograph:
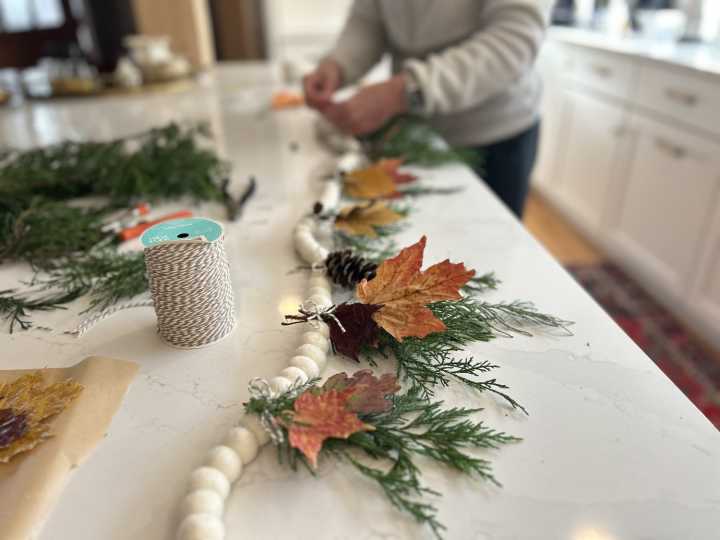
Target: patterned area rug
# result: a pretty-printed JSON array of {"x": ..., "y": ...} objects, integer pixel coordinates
[{"x": 692, "y": 367}]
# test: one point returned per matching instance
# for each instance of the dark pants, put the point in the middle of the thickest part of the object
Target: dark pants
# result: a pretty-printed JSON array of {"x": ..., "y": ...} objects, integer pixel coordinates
[{"x": 506, "y": 167}]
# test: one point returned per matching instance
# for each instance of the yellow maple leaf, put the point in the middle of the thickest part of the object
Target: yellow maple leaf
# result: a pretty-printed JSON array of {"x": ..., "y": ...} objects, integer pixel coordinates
[
  {"x": 362, "y": 219},
  {"x": 371, "y": 182},
  {"x": 26, "y": 406},
  {"x": 404, "y": 291}
]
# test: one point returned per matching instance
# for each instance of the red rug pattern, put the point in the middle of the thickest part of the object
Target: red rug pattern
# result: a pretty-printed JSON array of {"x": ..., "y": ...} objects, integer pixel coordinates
[{"x": 691, "y": 366}]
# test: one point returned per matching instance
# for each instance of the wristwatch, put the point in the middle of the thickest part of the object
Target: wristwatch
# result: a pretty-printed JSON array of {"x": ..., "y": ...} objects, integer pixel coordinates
[{"x": 413, "y": 94}]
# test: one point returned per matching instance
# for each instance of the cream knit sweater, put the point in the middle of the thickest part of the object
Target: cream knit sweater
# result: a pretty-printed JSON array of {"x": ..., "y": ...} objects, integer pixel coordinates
[{"x": 473, "y": 59}]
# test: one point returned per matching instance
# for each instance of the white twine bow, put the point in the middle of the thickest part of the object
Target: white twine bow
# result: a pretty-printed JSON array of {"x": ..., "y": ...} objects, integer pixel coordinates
[{"x": 315, "y": 314}]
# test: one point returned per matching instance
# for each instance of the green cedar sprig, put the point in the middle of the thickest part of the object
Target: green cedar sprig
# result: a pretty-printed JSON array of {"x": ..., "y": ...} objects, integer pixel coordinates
[
  {"x": 412, "y": 427},
  {"x": 412, "y": 139},
  {"x": 161, "y": 163},
  {"x": 105, "y": 275},
  {"x": 431, "y": 361}
]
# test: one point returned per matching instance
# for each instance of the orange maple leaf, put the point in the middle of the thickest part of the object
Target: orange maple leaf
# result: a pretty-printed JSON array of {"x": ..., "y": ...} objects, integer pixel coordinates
[
  {"x": 404, "y": 291},
  {"x": 391, "y": 166},
  {"x": 322, "y": 416}
]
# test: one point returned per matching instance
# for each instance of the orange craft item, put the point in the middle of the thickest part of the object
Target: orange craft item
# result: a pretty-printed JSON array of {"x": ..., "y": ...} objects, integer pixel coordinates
[
  {"x": 137, "y": 230},
  {"x": 286, "y": 99}
]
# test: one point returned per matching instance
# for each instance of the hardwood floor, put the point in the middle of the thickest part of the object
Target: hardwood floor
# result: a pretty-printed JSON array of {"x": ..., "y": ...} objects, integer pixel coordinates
[{"x": 559, "y": 237}]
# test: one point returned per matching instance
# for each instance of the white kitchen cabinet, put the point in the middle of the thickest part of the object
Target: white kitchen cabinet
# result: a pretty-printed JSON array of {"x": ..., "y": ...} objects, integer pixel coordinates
[
  {"x": 703, "y": 304},
  {"x": 591, "y": 135},
  {"x": 553, "y": 61},
  {"x": 666, "y": 205},
  {"x": 631, "y": 155}
]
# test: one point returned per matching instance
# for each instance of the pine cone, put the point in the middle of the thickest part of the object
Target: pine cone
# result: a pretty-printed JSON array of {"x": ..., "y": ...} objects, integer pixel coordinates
[{"x": 347, "y": 270}]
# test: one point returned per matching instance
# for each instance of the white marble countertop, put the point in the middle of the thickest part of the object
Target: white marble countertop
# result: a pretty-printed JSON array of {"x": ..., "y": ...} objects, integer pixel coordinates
[
  {"x": 612, "y": 449},
  {"x": 700, "y": 57}
]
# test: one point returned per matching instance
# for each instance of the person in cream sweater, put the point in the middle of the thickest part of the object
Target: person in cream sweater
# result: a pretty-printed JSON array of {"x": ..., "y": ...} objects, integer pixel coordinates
[{"x": 466, "y": 65}]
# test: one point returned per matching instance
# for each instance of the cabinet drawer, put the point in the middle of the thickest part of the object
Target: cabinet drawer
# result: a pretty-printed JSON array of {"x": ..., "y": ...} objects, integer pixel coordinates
[
  {"x": 692, "y": 99},
  {"x": 607, "y": 73}
]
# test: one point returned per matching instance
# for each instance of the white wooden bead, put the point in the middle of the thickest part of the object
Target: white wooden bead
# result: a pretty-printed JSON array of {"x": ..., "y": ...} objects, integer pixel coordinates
[
  {"x": 202, "y": 501},
  {"x": 319, "y": 280},
  {"x": 209, "y": 478},
  {"x": 320, "y": 254},
  {"x": 318, "y": 290},
  {"x": 317, "y": 339},
  {"x": 201, "y": 527},
  {"x": 320, "y": 300},
  {"x": 225, "y": 460},
  {"x": 313, "y": 352},
  {"x": 252, "y": 422},
  {"x": 308, "y": 222},
  {"x": 244, "y": 442},
  {"x": 304, "y": 236},
  {"x": 280, "y": 384},
  {"x": 295, "y": 374},
  {"x": 321, "y": 327},
  {"x": 308, "y": 365}
]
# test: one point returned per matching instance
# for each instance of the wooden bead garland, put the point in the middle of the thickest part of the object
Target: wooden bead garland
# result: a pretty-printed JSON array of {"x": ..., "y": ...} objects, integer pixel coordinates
[{"x": 210, "y": 484}]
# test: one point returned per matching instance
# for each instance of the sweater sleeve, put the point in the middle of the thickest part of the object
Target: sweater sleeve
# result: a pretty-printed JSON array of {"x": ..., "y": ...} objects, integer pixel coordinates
[
  {"x": 362, "y": 41},
  {"x": 502, "y": 51}
]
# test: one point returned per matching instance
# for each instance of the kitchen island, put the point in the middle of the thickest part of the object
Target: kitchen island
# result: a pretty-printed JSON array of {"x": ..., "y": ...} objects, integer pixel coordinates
[{"x": 611, "y": 448}]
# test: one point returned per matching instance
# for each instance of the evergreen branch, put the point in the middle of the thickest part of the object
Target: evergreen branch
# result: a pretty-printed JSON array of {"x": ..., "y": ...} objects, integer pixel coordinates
[
  {"x": 46, "y": 230},
  {"x": 431, "y": 361},
  {"x": 412, "y": 427},
  {"x": 481, "y": 284},
  {"x": 412, "y": 139},
  {"x": 420, "y": 191},
  {"x": 372, "y": 249},
  {"x": 105, "y": 275},
  {"x": 15, "y": 307},
  {"x": 161, "y": 163}
]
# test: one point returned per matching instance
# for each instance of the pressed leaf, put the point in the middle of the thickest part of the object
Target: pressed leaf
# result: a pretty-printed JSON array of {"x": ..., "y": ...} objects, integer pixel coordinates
[
  {"x": 391, "y": 166},
  {"x": 372, "y": 182},
  {"x": 361, "y": 219},
  {"x": 320, "y": 416},
  {"x": 404, "y": 291},
  {"x": 358, "y": 328},
  {"x": 28, "y": 397},
  {"x": 367, "y": 394}
]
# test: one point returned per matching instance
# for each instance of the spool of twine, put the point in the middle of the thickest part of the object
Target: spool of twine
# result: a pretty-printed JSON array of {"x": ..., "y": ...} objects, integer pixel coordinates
[{"x": 191, "y": 291}]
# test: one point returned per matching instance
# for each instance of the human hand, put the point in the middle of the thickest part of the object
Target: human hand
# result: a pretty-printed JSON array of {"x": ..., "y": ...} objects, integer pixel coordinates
[
  {"x": 370, "y": 108},
  {"x": 321, "y": 84}
]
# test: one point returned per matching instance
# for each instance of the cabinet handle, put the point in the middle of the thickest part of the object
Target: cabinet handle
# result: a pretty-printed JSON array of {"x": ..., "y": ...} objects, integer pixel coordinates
[
  {"x": 686, "y": 98},
  {"x": 676, "y": 151},
  {"x": 601, "y": 71}
]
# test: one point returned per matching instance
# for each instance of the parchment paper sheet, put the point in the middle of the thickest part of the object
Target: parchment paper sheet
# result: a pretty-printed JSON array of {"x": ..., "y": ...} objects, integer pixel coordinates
[{"x": 31, "y": 482}]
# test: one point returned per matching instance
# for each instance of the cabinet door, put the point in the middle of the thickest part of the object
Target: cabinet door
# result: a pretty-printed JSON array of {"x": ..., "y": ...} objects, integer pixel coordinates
[
  {"x": 666, "y": 209},
  {"x": 554, "y": 59},
  {"x": 592, "y": 136}
]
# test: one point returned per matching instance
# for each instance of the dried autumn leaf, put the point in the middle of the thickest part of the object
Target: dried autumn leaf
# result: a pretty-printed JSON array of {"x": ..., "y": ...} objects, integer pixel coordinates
[
  {"x": 318, "y": 417},
  {"x": 361, "y": 219},
  {"x": 372, "y": 182},
  {"x": 30, "y": 399},
  {"x": 404, "y": 292},
  {"x": 391, "y": 166},
  {"x": 358, "y": 328},
  {"x": 367, "y": 393}
]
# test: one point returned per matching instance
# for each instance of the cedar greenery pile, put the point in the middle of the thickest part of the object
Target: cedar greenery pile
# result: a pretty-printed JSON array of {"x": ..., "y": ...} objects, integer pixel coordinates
[{"x": 54, "y": 200}]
